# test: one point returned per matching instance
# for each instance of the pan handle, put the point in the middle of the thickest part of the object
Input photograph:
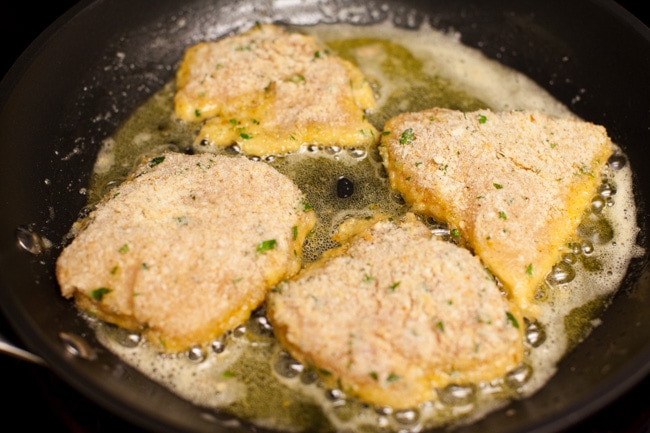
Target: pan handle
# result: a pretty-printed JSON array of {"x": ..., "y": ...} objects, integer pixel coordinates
[{"x": 7, "y": 348}]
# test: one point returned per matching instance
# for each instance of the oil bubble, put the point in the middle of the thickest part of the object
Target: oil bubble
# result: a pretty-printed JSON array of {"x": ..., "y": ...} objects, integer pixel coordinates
[
  {"x": 457, "y": 395},
  {"x": 519, "y": 376},
  {"x": 535, "y": 333},
  {"x": 287, "y": 367},
  {"x": 561, "y": 273},
  {"x": 196, "y": 354}
]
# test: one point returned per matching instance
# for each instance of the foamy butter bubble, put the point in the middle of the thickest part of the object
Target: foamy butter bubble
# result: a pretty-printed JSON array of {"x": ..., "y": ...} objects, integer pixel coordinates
[{"x": 246, "y": 373}]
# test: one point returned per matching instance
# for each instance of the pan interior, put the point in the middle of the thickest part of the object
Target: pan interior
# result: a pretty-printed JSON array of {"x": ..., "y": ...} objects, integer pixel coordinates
[{"x": 122, "y": 71}]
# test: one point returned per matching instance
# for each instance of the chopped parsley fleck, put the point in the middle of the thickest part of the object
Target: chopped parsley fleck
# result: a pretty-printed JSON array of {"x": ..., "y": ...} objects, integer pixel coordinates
[
  {"x": 267, "y": 245},
  {"x": 155, "y": 161},
  {"x": 512, "y": 319},
  {"x": 144, "y": 266},
  {"x": 393, "y": 286},
  {"x": 294, "y": 231},
  {"x": 297, "y": 79},
  {"x": 246, "y": 136},
  {"x": 529, "y": 269},
  {"x": 374, "y": 375},
  {"x": 320, "y": 54},
  {"x": 585, "y": 170},
  {"x": 306, "y": 206},
  {"x": 367, "y": 278},
  {"x": 385, "y": 133},
  {"x": 197, "y": 112},
  {"x": 228, "y": 373},
  {"x": 123, "y": 249},
  {"x": 418, "y": 163},
  {"x": 497, "y": 185},
  {"x": 503, "y": 215},
  {"x": 98, "y": 294},
  {"x": 440, "y": 326},
  {"x": 482, "y": 118},
  {"x": 182, "y": 220},
  {"x": 233, "y": 121},
  {"x": 455, "y": 233},
  {"x": 392, "y": 377},
  {"x": 407, "y": 136}
]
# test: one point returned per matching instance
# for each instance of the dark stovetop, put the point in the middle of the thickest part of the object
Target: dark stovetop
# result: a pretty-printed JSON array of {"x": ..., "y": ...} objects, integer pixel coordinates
[{"x": 35, "y": 397}]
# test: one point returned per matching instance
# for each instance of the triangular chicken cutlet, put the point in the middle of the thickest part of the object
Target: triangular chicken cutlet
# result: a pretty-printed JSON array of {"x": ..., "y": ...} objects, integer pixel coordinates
[{"x": 513, "y": 185}]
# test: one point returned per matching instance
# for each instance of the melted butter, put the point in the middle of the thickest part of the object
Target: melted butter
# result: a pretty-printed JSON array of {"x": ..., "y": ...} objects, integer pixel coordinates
[{"x": 252, "y": 378}]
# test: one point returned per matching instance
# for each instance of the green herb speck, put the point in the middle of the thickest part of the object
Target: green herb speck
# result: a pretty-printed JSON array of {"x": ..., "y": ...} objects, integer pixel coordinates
[
  {"x": 407, "y": 136},
  {"x": 267, "y": 245},
  {"x": 306, "y": 206},
  {"x": 529, "y": 269},
  {"x": 392, "y": 377},
  {"x": 98, "y": 294},
  {"x": 155, "y": 161},
  {"x": 512, "y": 319},
  {"x": 297, "y": 79}
]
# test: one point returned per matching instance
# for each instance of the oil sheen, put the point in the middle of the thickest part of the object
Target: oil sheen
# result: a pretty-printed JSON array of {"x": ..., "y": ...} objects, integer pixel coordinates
[{"x": 245, "y": 375}]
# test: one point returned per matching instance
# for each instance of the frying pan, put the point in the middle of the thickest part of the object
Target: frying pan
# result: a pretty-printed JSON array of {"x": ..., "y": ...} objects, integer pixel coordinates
[{"x": 85, "y": 74}]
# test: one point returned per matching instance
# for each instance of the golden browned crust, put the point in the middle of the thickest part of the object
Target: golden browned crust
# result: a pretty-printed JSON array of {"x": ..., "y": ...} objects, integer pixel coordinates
[
  {"x": 187, "y": 247},
  {"x": 514, "y": 185},
  {"x": 270, "y": 91},
  {"x": 396, "y": 313}
]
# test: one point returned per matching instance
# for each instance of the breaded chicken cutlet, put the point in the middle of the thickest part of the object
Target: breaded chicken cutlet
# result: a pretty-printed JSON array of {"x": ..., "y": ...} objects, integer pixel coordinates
[
  {"x": 187, "y": 247},
  {"x": 514, "y": 185},
  {"x": 270, "y": 91},
  {"x": 394, "y": 313}
]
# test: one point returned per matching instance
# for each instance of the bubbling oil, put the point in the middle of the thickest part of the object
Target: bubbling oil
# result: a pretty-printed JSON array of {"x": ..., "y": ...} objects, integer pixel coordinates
[{"x": 247, "y": 374}]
